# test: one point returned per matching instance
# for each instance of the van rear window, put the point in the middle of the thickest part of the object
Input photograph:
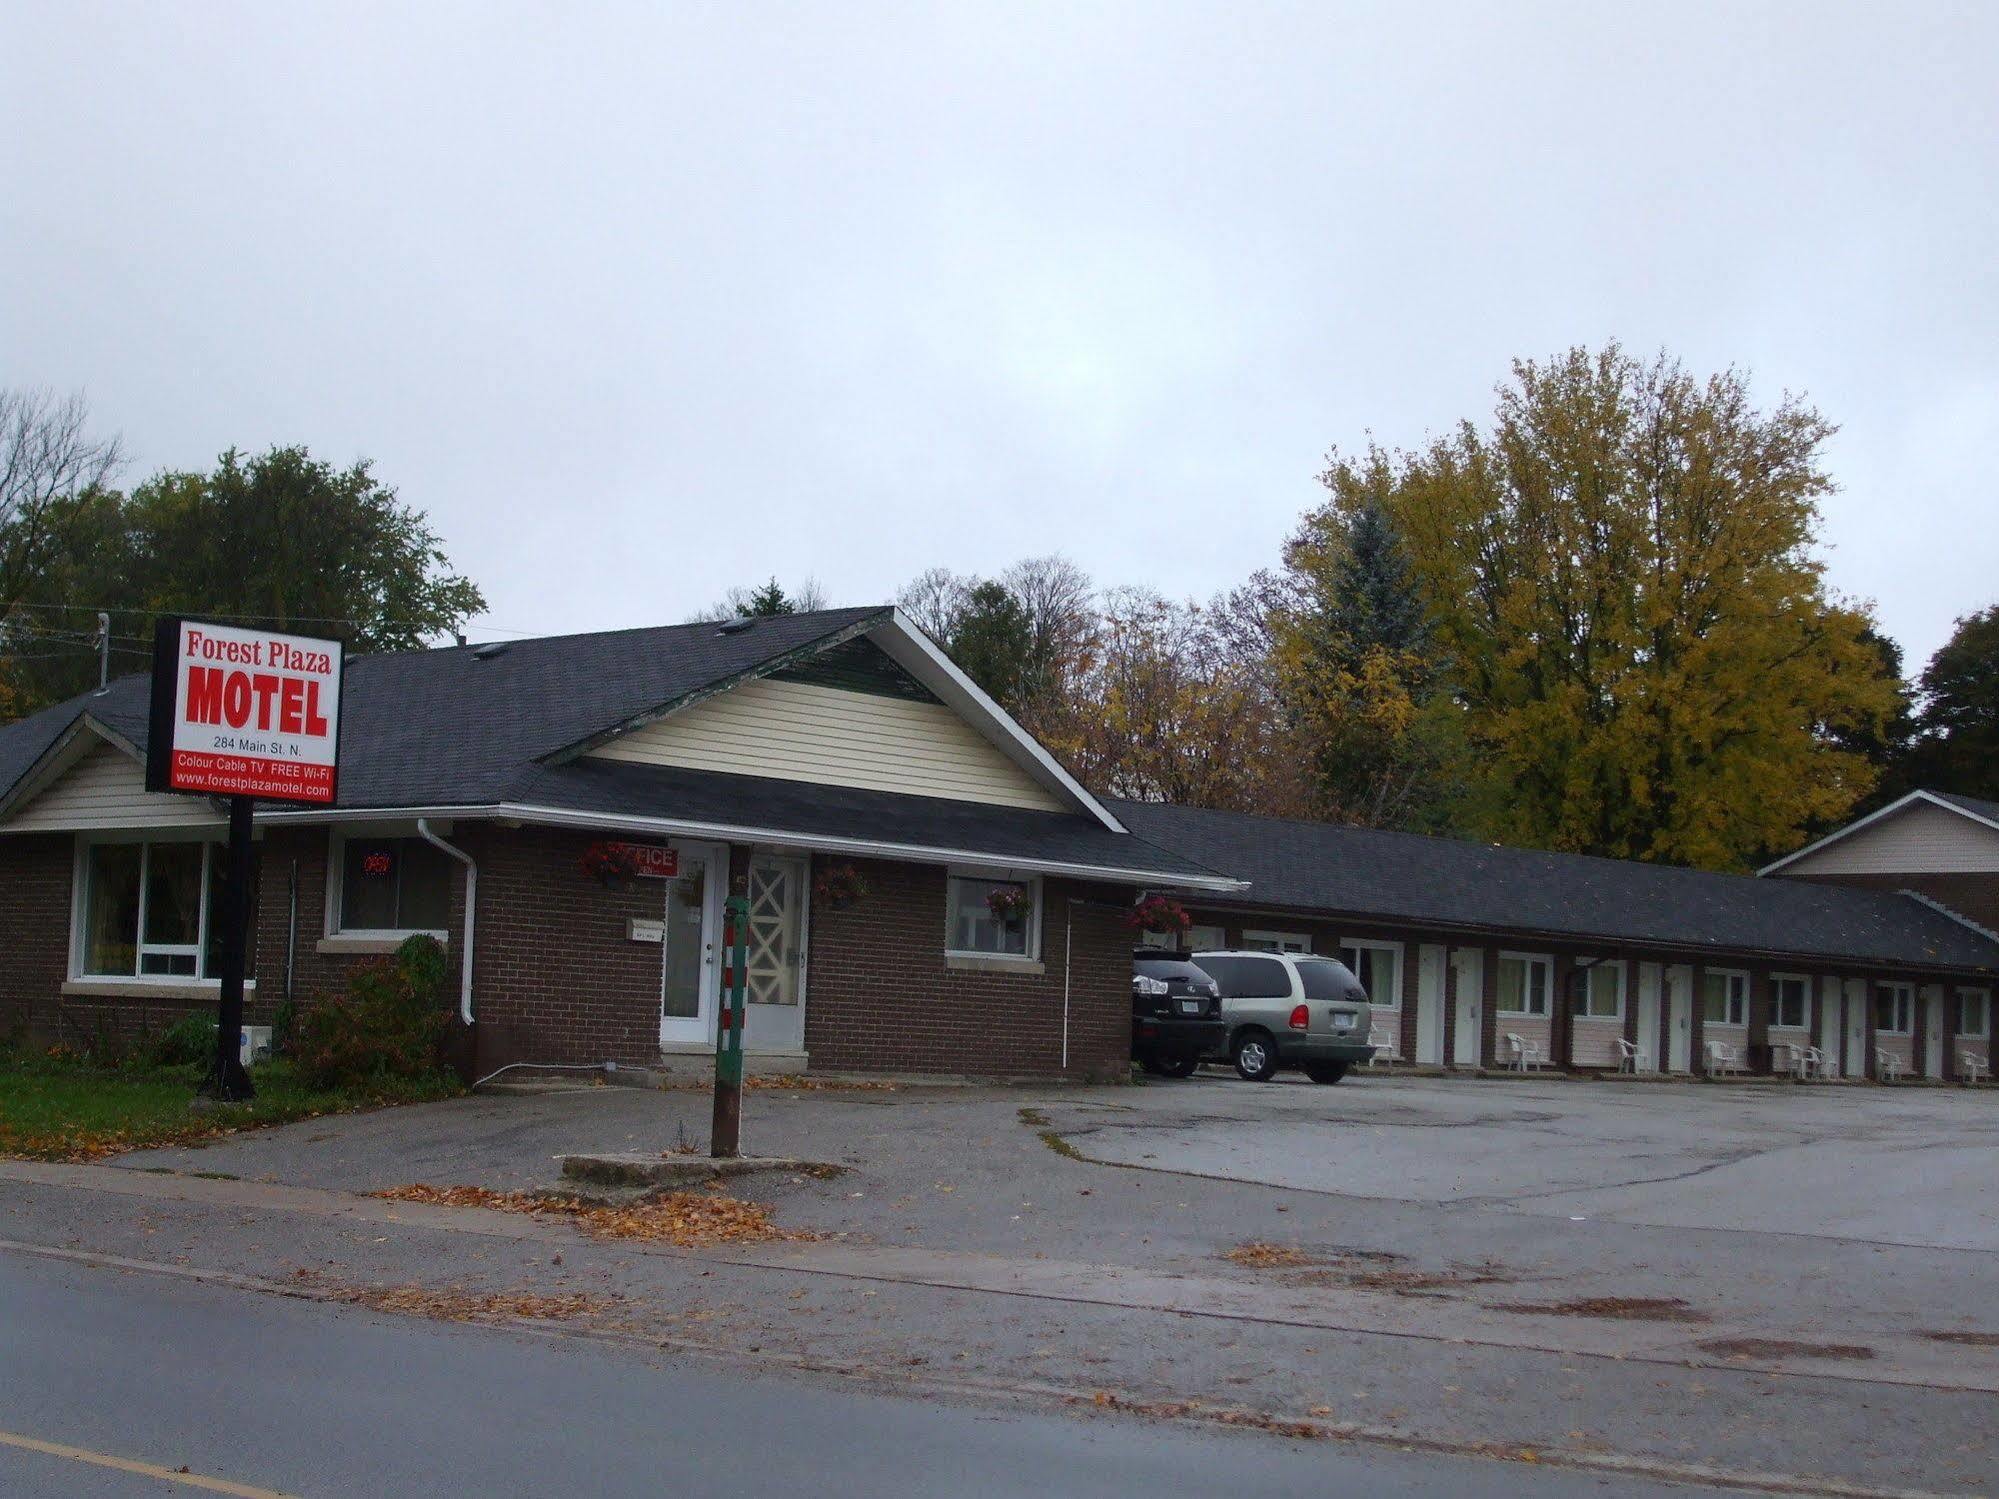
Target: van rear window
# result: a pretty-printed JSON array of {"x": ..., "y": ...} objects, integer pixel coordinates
[
  {"x": 1325, "y": 979},
  {"x": 1248, "y": 978}
]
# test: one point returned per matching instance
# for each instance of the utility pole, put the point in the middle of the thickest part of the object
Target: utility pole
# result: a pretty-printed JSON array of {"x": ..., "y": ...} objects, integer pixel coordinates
[
  {"x": 103, "y": 650},
  {"x": 227, "y": 1080},
  {"x": 726, "y": 1128}
]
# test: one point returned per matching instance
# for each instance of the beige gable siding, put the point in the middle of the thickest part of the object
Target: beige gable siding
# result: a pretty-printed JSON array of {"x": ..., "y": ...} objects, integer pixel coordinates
[
  {"x": 793, "y": 731},
  {"x": 107, "y": 789},
  {"x": 1920, "y": 839}
]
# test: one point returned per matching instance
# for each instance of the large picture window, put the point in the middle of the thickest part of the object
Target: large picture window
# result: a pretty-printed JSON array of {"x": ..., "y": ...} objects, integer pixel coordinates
[
  {"x": 1524, "y": 984},
  {"x": 148, "y": 911},
  {"x": 991, "y": 917},
  {"x": 1378, "y": 966},
  {"x": 1725, "y": 997},
  {"x": 393, "y": 885},
  {"x": 1974, "y": 1014}
]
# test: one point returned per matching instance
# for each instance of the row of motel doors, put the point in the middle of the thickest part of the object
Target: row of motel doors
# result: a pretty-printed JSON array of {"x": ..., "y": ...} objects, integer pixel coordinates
[
  {"x": 1841, "y": 1021},
  {"x": 691, "y": 956}
]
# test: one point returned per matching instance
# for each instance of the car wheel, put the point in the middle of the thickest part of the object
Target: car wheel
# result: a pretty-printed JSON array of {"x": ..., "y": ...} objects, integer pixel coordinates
[
  {"x": 1152, "y": 1068},
  {"x": 1326, "y": 1072},
  {"x": 1179, "y": 1067},
  {"x": 1255, "y": 1056}
]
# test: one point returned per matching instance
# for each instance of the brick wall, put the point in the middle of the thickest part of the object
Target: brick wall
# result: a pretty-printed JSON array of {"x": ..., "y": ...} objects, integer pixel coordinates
[
  {"x": 881, "y": 996},
  {"x": 35, "y": 874}
]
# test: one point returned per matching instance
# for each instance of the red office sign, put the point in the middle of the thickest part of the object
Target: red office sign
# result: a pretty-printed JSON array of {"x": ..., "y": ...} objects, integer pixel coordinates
[
  {"x": 649, "y": 861},
  {"x": 244, "y": 713}
]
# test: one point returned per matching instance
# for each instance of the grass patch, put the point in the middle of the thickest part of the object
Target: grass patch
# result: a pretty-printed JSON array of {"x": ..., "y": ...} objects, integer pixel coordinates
[
  {"x": 1776, "y": 1348},
  {"x": 72, "y": 1111},
  {"x": 1037, "y": 1121},
  {"x": 1613, "y": 1308}
]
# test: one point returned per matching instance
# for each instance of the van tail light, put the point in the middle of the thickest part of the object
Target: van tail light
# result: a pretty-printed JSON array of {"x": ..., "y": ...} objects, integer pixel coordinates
[{"x": 1300, "y": 1018}]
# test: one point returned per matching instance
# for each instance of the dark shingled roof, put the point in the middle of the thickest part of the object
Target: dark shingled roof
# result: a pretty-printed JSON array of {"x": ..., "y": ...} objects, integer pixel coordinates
[
  {"x": 1005, "y": 835},
  {"x": 1322, "y": 867},
  {"x": 1975, "y": 805},
  {"x": 446, "y": 728}
]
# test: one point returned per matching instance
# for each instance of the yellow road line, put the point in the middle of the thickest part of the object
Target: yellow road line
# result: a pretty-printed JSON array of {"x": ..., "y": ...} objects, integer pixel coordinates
[{"x": 147, "y": 1470}]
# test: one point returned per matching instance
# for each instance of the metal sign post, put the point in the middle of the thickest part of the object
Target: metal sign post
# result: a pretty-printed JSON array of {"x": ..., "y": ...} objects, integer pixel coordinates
[
  {"x": 247, "y": 715},
  {"x": 725, "y": 1131}
]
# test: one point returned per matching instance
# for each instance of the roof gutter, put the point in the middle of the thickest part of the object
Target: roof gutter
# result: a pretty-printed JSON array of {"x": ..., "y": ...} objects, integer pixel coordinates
[
  {"x": 563, "y": 817},
  {"x": 471, "y": 913}
]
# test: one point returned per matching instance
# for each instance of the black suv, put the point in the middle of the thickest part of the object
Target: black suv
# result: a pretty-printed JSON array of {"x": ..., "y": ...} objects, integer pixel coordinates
[{"x": 1176, "y": 1013}]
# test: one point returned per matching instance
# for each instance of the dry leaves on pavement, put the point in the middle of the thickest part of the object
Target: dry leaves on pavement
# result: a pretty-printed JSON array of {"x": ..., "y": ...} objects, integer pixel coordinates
[{"x": 686, "y": 1219}]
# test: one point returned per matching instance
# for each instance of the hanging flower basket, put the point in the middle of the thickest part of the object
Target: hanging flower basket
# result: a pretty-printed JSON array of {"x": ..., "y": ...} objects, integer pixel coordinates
[
  {"x": 1010, "y": 902},
  {"x": 840, "y": 885},
  {"x": 1160, "y": 914},
  {"x": 610, "y": 865}
]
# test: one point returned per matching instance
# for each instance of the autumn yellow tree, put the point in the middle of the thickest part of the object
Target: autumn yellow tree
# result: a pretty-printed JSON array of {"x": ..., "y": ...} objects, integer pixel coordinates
[{"x": 1620, "y": 571}]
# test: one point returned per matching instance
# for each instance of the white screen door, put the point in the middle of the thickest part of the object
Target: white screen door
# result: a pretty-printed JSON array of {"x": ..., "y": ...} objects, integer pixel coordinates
[
  {"x": 1465, "y": 1028},
  {"x": 687, "y": 976},
  {"x": 774, "y": 952}
]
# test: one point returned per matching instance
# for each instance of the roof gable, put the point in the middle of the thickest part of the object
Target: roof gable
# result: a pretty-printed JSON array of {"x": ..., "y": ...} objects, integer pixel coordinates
[{"x": 1925, "y": 832}]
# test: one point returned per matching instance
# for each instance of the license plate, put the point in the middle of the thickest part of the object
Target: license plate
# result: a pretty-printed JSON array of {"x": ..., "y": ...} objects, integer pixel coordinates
[
  {"x": 1343, "y": 1022},
  {"x": 1190, "y": 1007}
]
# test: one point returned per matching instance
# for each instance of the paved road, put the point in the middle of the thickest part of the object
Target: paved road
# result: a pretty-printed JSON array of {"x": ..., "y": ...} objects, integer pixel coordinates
[{"x": 261, "y": 1394}]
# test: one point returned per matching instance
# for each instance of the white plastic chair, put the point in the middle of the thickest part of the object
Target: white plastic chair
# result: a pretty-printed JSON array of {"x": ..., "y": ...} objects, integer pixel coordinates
[
  {"x": 1890, "y": 1064},
  {"x": 1632, "y": 1057},
  {"x": 1522, "y": 1052},
  {"x": 1973, "y": 1068},
  {"x": 1814, "y": 1063},
  {"x": 1721, "y": 1057},
  {"x": 1385, "y": 1049},
  {"x": 1800, "y": 1064}
]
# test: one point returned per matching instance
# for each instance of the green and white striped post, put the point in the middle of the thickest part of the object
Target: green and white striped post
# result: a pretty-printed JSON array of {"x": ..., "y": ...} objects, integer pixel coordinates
[{"x": 725, "y": 1132}]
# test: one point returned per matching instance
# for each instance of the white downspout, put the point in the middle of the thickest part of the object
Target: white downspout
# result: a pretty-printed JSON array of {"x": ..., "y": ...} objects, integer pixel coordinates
[{"x": 471, "y": 909}]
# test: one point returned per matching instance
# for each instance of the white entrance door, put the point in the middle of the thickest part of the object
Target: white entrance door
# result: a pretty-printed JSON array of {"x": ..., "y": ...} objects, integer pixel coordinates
[
  {"x": 688, "y": 973},
  {"x": 1471, "y": 987},
  {"x": 1430, "y": 1006},
  {"x": 774, "y": 950},
  {"x": 1856, "y": 1027},
  {"x": 1648, "y": 1017},
  {"x": 1933, "y": 1007},
  {"x": 1680, "y": 1019}
]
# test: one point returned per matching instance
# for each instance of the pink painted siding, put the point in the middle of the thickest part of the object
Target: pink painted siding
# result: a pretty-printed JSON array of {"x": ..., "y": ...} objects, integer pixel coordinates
[{"x": 1595, "y": 1043}]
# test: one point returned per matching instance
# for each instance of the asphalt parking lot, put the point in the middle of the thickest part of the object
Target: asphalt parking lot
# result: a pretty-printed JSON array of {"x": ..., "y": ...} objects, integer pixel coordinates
[{"x": 1910, "y": 1166}]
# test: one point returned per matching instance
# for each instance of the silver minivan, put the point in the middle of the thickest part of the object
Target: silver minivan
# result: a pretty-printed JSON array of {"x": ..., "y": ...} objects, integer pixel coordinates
[{"x": 1290, "y": 1010}]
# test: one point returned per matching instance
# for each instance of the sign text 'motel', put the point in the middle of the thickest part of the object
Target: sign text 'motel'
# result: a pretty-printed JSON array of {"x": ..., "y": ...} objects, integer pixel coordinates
[{"x": 244, "y": 713}]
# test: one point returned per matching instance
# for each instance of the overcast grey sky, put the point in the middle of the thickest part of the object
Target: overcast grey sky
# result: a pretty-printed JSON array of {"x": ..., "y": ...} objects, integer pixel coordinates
[{"x": 641, "y": 301}]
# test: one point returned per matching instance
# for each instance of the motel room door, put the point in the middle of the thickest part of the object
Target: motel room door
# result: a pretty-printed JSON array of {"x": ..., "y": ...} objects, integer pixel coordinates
[
  {"x": 1471, "y": 990},
  {"x": 689, "y": 975},
  {"x": 1679, "y": 1019},
  {"x": 775, "y": 953}
]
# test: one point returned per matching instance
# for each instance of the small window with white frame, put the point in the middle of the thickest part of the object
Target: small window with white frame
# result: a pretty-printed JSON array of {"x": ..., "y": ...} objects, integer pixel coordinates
[
  {"x": 1724, "y": 997},
  {"x": 1790, "y": 1001},
  {"x": 1974, "y": 1014},
  {"x": 148, "y": 909},
  {"x": 1525, "y": 982},
  {"x": 1378, "y": 966},
  {"x": 1601, "y": 990},
  {"x": 1196, "y": 938},
  {"x": 1254, "y": 940},
  {"x": 386, "y": 885},
  {"x": 1895, "y": 1009},
  {"x": 992, "y": 916}
]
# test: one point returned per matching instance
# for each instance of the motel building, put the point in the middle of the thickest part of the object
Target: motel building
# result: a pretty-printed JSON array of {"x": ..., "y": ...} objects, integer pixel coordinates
[{"x": 928, "y": 890}]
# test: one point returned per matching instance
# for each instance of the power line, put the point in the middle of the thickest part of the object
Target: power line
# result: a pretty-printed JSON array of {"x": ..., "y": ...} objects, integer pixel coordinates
[{"x": 266, "y": 619}]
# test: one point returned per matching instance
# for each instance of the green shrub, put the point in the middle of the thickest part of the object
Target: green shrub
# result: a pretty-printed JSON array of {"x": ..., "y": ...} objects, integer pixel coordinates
[
  {"x": 190, "y": 1040},
  {"x": 389, "y": 1024}
]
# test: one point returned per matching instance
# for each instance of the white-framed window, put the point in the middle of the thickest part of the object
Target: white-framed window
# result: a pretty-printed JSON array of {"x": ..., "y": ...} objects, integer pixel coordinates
[
  {"x": 1197, "y": 938},
  {"x": 1378, "y": 966},
  {"x": 1790, "y": 1001},
  {"x": 147, "y": 908},
  {"x": 992, "y": 915},
  {"x": 1600, "y": 993},
  {"x": 1895, "y": 1009},
  {"x": 1266, "y": 941},
  {"x": 1974, "y": 1014},
  {"x": 386, "y": 885},
  {"x": 1725, "y": 997},
  {"x": 1525, "y": 982}
]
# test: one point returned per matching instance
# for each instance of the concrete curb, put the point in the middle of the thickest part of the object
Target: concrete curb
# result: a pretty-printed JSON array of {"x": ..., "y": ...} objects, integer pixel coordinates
[{"x": 632, "y": 1169}]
